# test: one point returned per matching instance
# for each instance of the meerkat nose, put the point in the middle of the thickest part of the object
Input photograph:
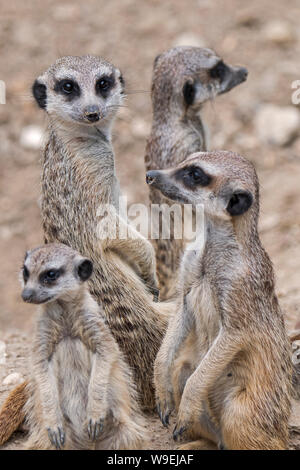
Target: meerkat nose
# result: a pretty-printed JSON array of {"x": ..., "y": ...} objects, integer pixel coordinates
[
  {"x": 243, "y": 73},
  {"x": 28, "y": 295},
  {"x": 151, "y": 176},
  {"x": 92, "y": 113}
]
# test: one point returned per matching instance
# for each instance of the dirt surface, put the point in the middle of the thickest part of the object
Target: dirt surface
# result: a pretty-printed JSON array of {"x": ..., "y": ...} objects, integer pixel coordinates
[{"x": 130, "y": 34}]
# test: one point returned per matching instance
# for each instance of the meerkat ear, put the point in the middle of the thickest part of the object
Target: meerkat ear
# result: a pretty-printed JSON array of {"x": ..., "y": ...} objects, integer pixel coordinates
[
  {"x": 189, "y": 92},
  {"x": 84, "y": 269},
  {"x": 239, "y": 202},
  {"x": 39, "y": 91}
]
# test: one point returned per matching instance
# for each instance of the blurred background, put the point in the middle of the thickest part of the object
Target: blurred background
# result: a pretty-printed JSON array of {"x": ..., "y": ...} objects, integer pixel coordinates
[{"x": 256, "y": 119}]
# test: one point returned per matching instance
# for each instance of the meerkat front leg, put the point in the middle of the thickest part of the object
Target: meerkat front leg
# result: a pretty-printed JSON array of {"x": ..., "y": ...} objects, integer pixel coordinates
[
  {"x": 221, "y": 353},
  {"x": 49, "y": 397},
  {"x": 180, "y": 325},
  {"x": 137, "y": 251},
  {"x": 97, "y": 408}
]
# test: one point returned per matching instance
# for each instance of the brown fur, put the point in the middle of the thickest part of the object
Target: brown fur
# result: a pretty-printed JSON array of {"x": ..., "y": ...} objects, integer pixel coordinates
[
  {"x": 227, "y": 341},
  {"x": 178, "y": 130},
  {"x": 78, "y": 375}
]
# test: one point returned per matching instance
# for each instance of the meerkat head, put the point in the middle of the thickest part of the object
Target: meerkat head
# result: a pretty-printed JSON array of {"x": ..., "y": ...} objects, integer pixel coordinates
[
  {"x": 185, "y": 77},
  {"x": 223, "y": 182},
  {"x": 52, "y": 272},
  {"x": 86, "y": 90}
]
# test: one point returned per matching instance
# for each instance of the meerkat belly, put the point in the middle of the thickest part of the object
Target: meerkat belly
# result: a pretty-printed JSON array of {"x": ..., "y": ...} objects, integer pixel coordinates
[
  {"x": 207, "y": 321},
  {"x": 72, "y": 367}
]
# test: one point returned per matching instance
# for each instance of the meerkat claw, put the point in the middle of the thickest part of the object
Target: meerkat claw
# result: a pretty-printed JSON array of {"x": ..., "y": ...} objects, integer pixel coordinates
[
  {"x": 57, "y": 438},
  {"x": 95, "y": 428},
  {"x": 178, "y": 432},
  {"x": 155, "y": 293}
]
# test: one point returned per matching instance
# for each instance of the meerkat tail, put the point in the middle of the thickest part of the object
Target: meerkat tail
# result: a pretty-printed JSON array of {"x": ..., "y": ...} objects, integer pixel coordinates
[{"x": 12, "y": 412}]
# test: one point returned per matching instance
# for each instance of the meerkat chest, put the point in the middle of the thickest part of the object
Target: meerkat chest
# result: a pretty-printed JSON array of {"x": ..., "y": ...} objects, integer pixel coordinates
[{"x": 201, "y": 305}]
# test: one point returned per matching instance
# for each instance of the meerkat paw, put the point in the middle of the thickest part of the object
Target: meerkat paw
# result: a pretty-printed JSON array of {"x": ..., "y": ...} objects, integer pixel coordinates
[
  {"x": 95, "y": 428},
  {"x": 155, "y": 292},
  {"x": 57, "y": 436},
  {"x": 183, "y": 422},
  {"x": 165, "y": 405}
]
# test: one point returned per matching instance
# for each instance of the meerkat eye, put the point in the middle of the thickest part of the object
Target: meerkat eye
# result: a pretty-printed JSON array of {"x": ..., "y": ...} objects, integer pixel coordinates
[
  {"x": 50, "y": 276},
  {"x": 68, "y": 87},
  {"x": 25, "y": 274},
  {"x": 219, "y": 71},
  {"x": 198, "y": 177},
  {"x": 104, "y": 84}
]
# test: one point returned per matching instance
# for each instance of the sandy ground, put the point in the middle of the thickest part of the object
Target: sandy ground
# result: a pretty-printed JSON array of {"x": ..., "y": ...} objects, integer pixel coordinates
[{"x": 130, "y": 34}]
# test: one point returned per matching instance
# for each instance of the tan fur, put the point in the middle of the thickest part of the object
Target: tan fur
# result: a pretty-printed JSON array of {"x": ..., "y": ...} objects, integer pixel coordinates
[
  {"x": 78, "y": 375},
  {"x": 178, "y": 130},
  {"x": 227, "y": 339}
]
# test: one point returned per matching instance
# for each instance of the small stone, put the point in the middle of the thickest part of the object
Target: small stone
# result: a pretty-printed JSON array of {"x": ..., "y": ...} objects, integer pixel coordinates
[
  {"x": 189, "y": 39},
  {"x": 139, "y": 128},
  {"x": 277, "y": 125},
  {"x": 13, "y": 379},
  {"x": 279, "y": 32},
  {"x": 2, "y": 353},
  {"x": 31, "y": 137}
]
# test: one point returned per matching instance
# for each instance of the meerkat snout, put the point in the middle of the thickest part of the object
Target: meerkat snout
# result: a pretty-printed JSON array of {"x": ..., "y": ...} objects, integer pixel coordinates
[
  {"x": 53, "y": 271},
  {"x": 92, "y": 113}
]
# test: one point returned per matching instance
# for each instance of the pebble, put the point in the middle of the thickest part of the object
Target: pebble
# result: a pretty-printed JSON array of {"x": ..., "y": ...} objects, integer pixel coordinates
[
  {"x": 2, "y": 353},
  {"x": 277, "y": 125},
  {"x": 13, "y": 379},
  {"x": 189, "y": 39},
  {"x": 31, "y": 137},
  {"x": 279, "y": 32},
  {"x": 139, "y": 128}
]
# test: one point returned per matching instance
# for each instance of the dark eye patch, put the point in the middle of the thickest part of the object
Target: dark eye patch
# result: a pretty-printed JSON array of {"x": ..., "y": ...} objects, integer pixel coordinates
[
  {"x": 193, "y": 176},
  {"x": 50, "y": 276},
  {"x": 219, "y": 71},
  {"x": 68, "y": 88},
  {"x": 104, "y": 85},
  {"x": 25, "y": 274}
]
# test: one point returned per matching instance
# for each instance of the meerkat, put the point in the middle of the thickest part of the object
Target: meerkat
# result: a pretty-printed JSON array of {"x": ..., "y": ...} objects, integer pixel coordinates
[
  {"x": 184, "y": 78},
  {"x": 79, "y": 208},
  {"x": 81, "y": 394},
  {"x": 225, "y": 362}
]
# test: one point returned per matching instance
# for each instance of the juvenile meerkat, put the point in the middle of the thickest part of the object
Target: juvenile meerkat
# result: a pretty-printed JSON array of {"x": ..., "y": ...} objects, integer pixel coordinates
[
  {"x": 81, "y": 394},
  {"x": 80, "y": 198},
  {"x": 184, "y": 79},
  {"x": 225, "y": 362}
]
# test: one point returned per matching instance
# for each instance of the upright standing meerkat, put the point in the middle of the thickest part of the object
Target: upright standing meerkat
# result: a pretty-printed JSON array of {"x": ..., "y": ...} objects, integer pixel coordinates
[
  {"x": 225, "y": 362},
  {"x": 184, "y": 78},
  {"x": 80, "y": 198},
  {"x": 81, "y": 394}
]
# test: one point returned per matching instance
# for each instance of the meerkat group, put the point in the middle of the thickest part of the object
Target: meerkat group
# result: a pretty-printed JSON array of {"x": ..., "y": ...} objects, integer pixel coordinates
[{"x": 207, "y": 344}]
